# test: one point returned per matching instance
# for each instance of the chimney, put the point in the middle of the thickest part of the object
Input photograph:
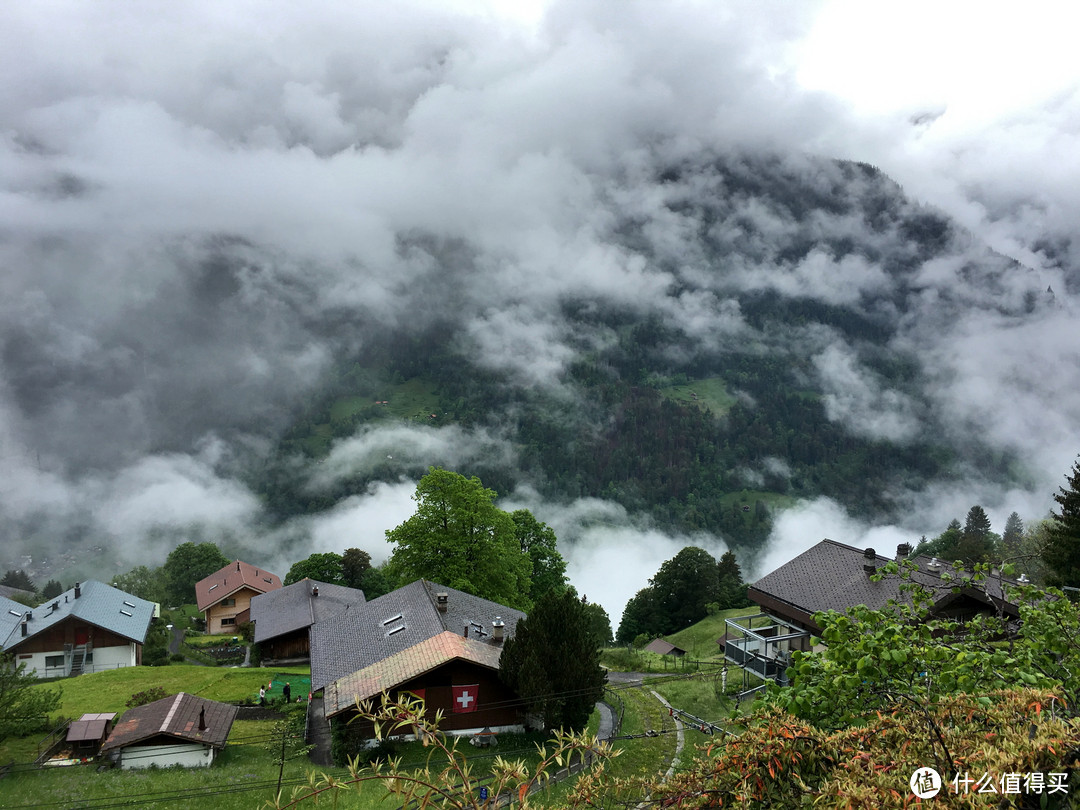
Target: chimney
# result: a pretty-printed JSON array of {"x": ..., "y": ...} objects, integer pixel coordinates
[
  {"x": 78, "y": 590},
  {"x": 903, "y": 551},
  {"x": 237, "y": 565},
  {"x": 497, "y": 629},
  {"x": 465, "y": 628},
  {"x": 314, "y": 590},
  {"x": 25, "y": 618},
  {"x": 441, "y": 601},
  {"x": 869, "y": 560},
  {"x": 202, "y": 719}
]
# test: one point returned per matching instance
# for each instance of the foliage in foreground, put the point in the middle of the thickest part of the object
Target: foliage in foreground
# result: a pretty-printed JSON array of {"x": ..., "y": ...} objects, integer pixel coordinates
[
  {"x": 447, "y": 780},
  {"x": 23, "y": 707},
  {"x": 781, "y": 761}
]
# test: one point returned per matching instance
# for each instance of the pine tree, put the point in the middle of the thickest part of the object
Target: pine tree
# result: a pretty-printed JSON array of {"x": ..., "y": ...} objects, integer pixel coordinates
[
  {"x": 1062, "y": 551},
  {"x": 1012, "y": 538},
  {"x": 553, "y": 663}
]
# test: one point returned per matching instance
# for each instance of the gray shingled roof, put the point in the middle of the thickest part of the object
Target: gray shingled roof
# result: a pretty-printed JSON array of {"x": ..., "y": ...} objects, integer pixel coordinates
[
  {"x": 830, "y": 576},
  {"x": 364, "y": 634},
  {"x": 11, "y": 614},
  {"x": 98, "y": 604},
  {"x": 293, "y": 607}
]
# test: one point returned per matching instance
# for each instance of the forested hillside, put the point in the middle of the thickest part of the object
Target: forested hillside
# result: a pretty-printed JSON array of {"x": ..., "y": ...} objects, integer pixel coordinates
[{"x": 814, "y": 274}]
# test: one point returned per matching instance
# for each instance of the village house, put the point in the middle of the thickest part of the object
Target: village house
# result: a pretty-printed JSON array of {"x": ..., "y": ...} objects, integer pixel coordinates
[
  {"x": 835, "y": 576},
  {"x": 663, "y": 647},
  {"x": 284, "y": 617},
  {"x": 89, "y": 628},
  {"x": 181, "y": 729},
  {"x": 225, "y": 596},
  {"x": 437, "y": 643}
]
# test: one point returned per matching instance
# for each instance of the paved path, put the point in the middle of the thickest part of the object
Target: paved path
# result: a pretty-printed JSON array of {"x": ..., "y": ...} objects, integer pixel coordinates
[
  {"x": 177, "y": 639},
  {"x": 606, "y": 729},
  {"x": 319, "y": 734}
]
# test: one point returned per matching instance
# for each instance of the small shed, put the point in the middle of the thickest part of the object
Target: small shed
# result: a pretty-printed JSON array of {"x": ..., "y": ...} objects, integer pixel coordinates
[
  {"x": 181, "y": 730},
  {"x": 661, "y": 647},
  {"x": 86, "y": 735}
]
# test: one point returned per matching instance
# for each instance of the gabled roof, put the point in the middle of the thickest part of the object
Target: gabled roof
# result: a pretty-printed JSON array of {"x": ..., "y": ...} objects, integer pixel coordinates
[
  {"x": 176, "y": 716},
  {"x": 11, "y": 614},
  {"x": 367, "y": 633},
  {"x": 662, "y": 647},
  {"x": 230, "y": 579},
  {"x": 343, "y": 693},
  {"x": 831, "y": 576},
  {"x": 97, "y": 603},
  {"x": 299, "y": 606}
]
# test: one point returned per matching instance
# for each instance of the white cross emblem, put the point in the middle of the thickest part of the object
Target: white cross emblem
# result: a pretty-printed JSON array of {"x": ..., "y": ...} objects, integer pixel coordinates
[{"x": 465, "y": 699}]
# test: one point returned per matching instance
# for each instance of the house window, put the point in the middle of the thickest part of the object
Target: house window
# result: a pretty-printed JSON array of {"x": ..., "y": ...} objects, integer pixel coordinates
[
  {"x": 230, "y": 620},
  {"x": 228, "y": 603},
  {"x": 54, "y": 660}
]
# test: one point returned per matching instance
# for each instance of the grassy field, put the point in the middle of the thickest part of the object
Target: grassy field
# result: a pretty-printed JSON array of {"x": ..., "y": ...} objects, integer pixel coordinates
[
  {"x": 711, "y": 395},
  {"x": 243, "y": 777},
  {"x": 109, "y": 691},
  {"x": 699, "y": 640}
]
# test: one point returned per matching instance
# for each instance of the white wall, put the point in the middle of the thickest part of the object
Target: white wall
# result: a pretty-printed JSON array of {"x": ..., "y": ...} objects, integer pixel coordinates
[
  {"x": 189, "y": 755},
  {"x": 104, "y": 658}
]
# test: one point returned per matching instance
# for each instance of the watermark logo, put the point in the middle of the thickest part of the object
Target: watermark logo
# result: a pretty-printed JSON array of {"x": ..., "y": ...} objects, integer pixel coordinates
[{"x": 925, "y": 783}]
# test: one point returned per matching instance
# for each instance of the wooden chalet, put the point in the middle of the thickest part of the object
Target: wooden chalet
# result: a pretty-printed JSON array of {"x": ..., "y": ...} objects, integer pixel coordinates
[
  {"x": 89, "y": 628},
  {"x": 284, "y": 617},
  {"x": 225, "y": 596},
  {"x": 438, "y": 643},
  {"x": 835, "y": 576}
]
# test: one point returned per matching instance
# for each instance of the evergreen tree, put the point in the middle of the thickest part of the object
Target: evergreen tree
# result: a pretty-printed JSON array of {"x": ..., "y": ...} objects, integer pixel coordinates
[
  {"x": 1012, "y": 538},
  {"x": 19, "y": 579},
  {"x": 976, "y": 544},
  {"x": 731, "y": 588},
  {"x": 553, "y": 663},
  {"x": 52, "y": 589},
  {"x": 1062, "y": 552}
]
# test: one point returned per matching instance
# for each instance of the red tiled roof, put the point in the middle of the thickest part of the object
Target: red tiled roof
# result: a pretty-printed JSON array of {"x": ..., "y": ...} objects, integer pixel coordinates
[
  {"x": 343, "y": 693},
  {"x": 230, "y": 579}
]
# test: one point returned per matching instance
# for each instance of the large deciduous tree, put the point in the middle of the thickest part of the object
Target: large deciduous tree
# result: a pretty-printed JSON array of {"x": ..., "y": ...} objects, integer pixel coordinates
[
  {"x": 553, "y": 662},
  {"x": 143, "y": 582},
  {"x": 459, "y": 538},
  {"x": 1062, "y": 550},
  {"x": 187, "y": 564},
  {"x": 321, "y": 566},
  {"x": 685, "y": 584},
  {"x": 538, "y": 541}
]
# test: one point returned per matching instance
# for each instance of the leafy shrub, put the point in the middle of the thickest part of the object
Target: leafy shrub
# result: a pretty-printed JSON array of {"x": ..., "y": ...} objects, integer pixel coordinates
[{"x": 145, "y": 696}]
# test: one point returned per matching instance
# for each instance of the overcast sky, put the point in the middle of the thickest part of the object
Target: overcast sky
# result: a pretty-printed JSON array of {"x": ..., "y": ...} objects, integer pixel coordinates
[{"x": 199, "y": 201}]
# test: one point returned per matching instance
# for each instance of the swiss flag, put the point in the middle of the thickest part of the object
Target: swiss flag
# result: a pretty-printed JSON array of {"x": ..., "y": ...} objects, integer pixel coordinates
[{"x": 465, "y": 698}]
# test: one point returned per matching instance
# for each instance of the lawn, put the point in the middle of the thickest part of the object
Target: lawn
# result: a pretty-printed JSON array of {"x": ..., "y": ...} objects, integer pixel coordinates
[
  {"x": 709, "y": 394},
  {"x": 109, "y": 691},
  {"x": 243, "y": 777}
]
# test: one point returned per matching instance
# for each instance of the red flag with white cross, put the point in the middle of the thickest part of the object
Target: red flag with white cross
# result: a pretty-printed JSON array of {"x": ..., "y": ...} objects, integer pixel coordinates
[{"x": 465, "y": 698}]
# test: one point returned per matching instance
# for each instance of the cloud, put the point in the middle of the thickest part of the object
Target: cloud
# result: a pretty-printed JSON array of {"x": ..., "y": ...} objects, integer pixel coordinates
[
  {"x": 206, "y": 212},
  {"x": 855, "y": 397}
]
